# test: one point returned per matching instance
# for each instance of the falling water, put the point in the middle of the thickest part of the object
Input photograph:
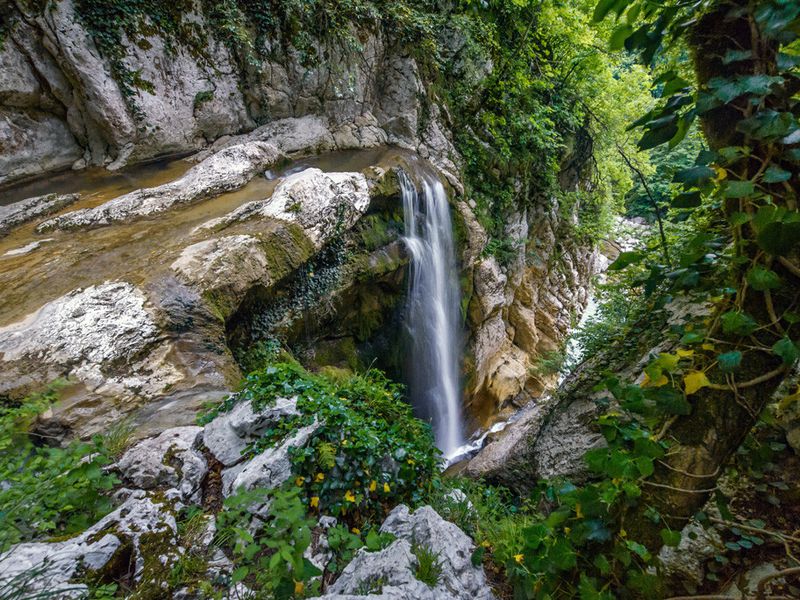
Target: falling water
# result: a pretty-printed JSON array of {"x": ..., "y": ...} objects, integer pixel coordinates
[{"x": 433, "y": 310}]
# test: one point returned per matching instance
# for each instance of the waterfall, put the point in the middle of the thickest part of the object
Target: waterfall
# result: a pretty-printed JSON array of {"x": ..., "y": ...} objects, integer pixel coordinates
[{"x": 433, "y": 310}]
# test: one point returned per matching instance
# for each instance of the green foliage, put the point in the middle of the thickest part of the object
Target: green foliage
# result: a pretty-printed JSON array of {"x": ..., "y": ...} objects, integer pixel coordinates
[
  {"x": 272, "y": 559},
  {"x": 428, "y": 568},
  {"x": 47, "y": 491},
  {"x": 368, "y": 451}
]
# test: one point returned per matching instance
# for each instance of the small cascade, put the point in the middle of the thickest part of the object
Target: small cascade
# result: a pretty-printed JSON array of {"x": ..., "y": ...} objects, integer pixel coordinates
[{"x": 433, "y": 310}]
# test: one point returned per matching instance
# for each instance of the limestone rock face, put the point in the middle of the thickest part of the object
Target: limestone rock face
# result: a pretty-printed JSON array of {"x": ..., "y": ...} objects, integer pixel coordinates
[
  {"x": 230, "y": 433},
  {"x": 61, "y": 104},
  {"x": 135, "y": 526},
  {"x": 320, "y": 203},
  {"x": 269, "y": 469},
  {"x": 84, "y": 330},
  {"x": 18, "y": 213},
  {"x": 223, "y": 171},
  {"x": 389, "y": 574},
  {"x": 167, "y": 460}
]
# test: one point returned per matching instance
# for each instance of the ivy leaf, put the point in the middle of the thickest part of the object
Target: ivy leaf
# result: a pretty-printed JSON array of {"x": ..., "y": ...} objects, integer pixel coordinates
[
  {"x": 775, "y": 174},
  {"x": 762, "y": 279},
  {"x": 670, "y": 538},
  {"x": 626, "y": 259},
  {"x": 618, "y": 37},
  {"x": 739, "y": 189},
  {"x": 739, "y": 218},
  {"x": 768, "y": 125},
  {"x": 669, "y": 400},
  {"x": 694, "y": 175},
  {"x": 656, "y": 137},
  {"x": 738, "y": 323},
  {"x": 787, "y": 350},
  {"x": 687, "y": 200},
  {"x": 779, "y": 238},
  {"x": 729, "y": 361},
  {"x": 694, "y": 381}
]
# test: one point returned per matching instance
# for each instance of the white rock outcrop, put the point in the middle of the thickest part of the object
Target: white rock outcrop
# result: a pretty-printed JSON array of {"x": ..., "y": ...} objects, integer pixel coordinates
[
  {"x": 13, "y": 215},
  {"x": 230, "y": 433},
  {"x": 389, "y": 574},
  {"x": 167, "y": 460},
  {"x": 50, "y": 567},
  {"x": 269, "y": 469},
  {"x": 320, "y": 203},
  {"x": 224, "y": 171}
]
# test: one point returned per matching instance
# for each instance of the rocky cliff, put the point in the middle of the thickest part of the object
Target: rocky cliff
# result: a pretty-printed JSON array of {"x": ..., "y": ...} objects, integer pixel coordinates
[{"x": 155, "y": 333}]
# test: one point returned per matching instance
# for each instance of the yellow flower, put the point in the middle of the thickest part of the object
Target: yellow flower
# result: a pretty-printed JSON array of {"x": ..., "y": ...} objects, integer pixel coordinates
[
  {"x": 386, "y": 488},
  {"x": 567, "y": 530},
  {"x": 314, "y": 501},
  {"x": 349, "y": 496},
  {"x": 356, "y": 530},
  {"x": 623, "y": 533},
  {"x": 299, "y": 587},
  {"x": 411, "y": 461},
  {"x": 299, "y": 481},
  {"x": 373, "y": 485},
  {"x": 319, "y": 477},
  {"x": 519, "y": 558},
  {"x": 486, "y": 544}
]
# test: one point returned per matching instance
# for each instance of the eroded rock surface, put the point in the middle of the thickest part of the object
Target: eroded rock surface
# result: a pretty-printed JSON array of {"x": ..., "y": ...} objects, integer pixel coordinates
[
  {"x": 223, "y": 171},
  {"x": 170, "y": 459},
  {"x": 390, "y": 573},
  {"x": 142, "y": 526},
  {"x": 18, "y": 213},
  {"x": 230, "y": 433}
]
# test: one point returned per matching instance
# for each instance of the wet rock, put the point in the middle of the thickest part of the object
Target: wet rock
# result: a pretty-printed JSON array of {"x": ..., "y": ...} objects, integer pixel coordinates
[
  {"x": 389, "y": 574},
  {"x": 320, "y": 203},
  {"x": 13, "y": 215},
  {"x": 27, "y": 248},
  {"x": 224, "y": 171},
  {"x": 167, "y": 460},
  {"x": 230, "y": 433},
  {"x": 141, "y": 526},
  {"x": 489, "y": 296},
  {"x": 267, "y": 470},
  {"x": 100, "y": 325}
]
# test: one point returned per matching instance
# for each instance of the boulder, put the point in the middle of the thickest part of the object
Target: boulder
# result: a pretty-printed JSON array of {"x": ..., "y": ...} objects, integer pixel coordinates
[
  {"x": 322, "y": 204},
  {"x": 269, "y": 469},
  {"x": 139, "y": 537},
  {"x": 167, "y": 460},
  {"x": 230, "y": 433},
  {"x": 13, "y": 215},
  {"x": 33, "y": 143},
  {"x": 225, "y": 171},
  {"x": 389, "y": 574}
]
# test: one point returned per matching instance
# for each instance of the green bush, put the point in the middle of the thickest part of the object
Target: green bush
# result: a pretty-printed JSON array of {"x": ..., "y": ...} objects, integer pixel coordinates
[
  {"x": 47, "y": 491},
  {"x": 369, "y": 452}
]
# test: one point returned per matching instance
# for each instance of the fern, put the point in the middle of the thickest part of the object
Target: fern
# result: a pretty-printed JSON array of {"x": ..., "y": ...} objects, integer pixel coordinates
[{"x": 326, "y": 455}]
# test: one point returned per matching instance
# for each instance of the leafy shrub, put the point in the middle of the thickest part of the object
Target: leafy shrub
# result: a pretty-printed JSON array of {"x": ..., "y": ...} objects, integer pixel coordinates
[
  {"x": 271, "y": 559},
  {"x": 368, "y": 453},
  {"x": 47, "y": 491},
  {"x": 429, "y": 566}
]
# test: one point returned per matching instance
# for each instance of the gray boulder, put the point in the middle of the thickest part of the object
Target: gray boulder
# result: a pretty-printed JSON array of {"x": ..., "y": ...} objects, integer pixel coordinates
[
  {"x": 230, "y": 433},
  {"x": 267, "y": 470},
  {"x": 167, "y": 460},
  {"x": 389, "y": 574},
  {"x": 141, "y": 525}
]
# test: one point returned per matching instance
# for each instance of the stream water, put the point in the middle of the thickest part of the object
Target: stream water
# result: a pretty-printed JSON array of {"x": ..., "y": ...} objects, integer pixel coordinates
[{"x": 433, "y": 311}]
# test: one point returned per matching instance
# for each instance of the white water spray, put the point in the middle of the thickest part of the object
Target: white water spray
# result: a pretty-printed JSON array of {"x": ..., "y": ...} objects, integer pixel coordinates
[{"x": 433, "y": 311}]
